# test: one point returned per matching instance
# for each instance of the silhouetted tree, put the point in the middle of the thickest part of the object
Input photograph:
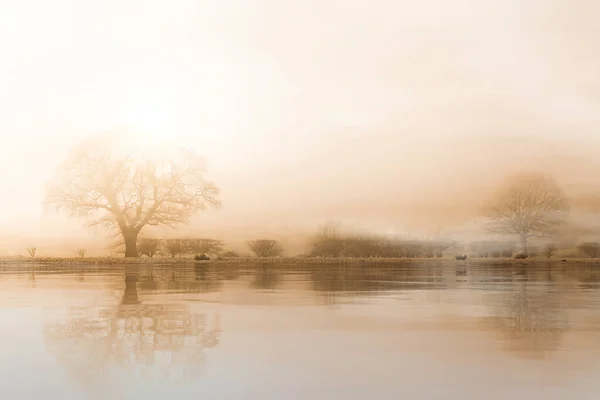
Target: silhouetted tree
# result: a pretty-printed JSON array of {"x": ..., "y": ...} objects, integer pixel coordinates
[
  {"x": 32, "y": 251},
  {"x": 527, "y": 206},
  {"x": 118, "y": 181},
  {"x": 265, "y": 248}
]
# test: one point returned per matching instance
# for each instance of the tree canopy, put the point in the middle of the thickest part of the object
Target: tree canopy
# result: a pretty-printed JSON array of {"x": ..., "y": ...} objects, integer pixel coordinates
[
  {"x": 528, "y": 205},
  {"x": 120, "y": 180}
]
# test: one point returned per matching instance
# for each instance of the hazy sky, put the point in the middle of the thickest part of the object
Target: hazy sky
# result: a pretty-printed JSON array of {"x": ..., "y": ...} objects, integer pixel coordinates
[{"x": 384, "y": 113}]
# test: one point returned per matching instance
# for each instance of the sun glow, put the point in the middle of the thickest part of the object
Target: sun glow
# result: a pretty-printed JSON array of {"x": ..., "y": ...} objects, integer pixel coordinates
[{"x": 153, "y": 121}]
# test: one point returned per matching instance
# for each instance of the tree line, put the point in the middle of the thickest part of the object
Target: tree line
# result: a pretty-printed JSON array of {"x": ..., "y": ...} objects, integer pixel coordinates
[
  {"x": 131, "y": 190},
  {"x": 329, "y": 242},
  {"x": 150, "y": 247}
]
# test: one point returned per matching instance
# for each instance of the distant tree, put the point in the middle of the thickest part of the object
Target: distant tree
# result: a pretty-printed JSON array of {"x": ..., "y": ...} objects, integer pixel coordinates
[
  {"x": 174, "y": 247},
  {"x": 119, "y": 181},
  {"x": 81, "y": 253},
  {"x": 327, "y": 242},
  {"x": 230, "y": 254},
  {"x": 32, "y": 251},
  {"x": 148, "y": 246},
  {"x": 265, "y": 248},
  {"x": 361, "y": 246},
  {"x": 527, "y": 206},
  {"x": 550, "y": 250},
  {"x": 204, "y": 246},
  {"x": 590, "y": 249}
]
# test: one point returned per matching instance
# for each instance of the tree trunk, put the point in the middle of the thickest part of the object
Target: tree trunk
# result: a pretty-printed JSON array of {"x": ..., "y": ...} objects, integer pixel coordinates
[
  {"x": 523, "y": 239},
  {"x": 130, "y": 294},
  {"x": 130, "y": 237}
]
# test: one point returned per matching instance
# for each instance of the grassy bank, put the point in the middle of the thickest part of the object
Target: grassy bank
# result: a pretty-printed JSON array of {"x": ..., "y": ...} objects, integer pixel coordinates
[{"x": 291, "y": 261}]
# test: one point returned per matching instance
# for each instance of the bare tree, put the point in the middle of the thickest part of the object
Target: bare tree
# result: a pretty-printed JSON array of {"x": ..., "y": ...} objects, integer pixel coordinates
[
  {"x": 204, "y": 246},
  {"x": 32, "y": 251},
  {"x": 265, "y": 248},
  {"x": 118, "y": 185},
  {"x": 174, "y": 247},
  {"x": 148, "y": 246},
  {"x": 81, "y": 253},
  {"x": 529, "y": 206}
]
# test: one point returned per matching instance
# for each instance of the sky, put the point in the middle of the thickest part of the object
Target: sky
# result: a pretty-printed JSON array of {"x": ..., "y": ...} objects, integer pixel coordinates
[{"x": 388, "y": 115}]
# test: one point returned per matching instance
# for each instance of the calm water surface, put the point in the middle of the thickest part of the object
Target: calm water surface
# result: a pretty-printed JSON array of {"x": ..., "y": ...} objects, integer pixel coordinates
[{"x": 329, "y": 332}]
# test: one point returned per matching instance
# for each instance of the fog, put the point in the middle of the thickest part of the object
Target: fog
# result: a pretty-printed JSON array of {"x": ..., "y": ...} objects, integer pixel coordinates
[{"x": 390, "y": 116}]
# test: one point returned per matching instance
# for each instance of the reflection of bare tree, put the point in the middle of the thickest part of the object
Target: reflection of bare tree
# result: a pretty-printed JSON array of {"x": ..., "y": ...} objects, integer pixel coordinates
[
  {"x": 133, "y": 340},
  {"x": 530, "y": 319}
]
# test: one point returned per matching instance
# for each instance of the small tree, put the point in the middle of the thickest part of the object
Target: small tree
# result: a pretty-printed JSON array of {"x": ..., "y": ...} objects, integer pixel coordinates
[
  {"x": 204, "y": 246},
  {"x": 590, "y": 249},
  {"x": 265, "y": 248},
  {"x": 550, "y": 250},
  {"x": 32, "y": 251},
  {"x": 174, "y": 247},
  {"x": 148, "y": 246},
  {"x": 528, "y": 206},
  {"x": 81, "y": 253}
]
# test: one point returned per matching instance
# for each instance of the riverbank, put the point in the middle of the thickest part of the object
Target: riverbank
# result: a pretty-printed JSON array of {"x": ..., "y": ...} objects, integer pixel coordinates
[{"x": 291, "y": 261}]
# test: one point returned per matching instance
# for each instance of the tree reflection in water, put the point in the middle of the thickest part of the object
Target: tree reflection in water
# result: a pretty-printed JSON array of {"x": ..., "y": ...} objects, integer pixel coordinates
[
  {"x": 531, "y": 319},
  {"x": 155, "y": 343}
]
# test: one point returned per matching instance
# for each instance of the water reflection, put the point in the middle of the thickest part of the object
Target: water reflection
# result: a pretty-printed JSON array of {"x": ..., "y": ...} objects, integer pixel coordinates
[
  {"x": 265, "y": 278},
  {"x": 343, "y": 283},
  {"x": 152, "y": 342},
  {"x": 196, "y": 279},
  {"x": 150, "y": 330},
  {"x": 531, "y": 318}
]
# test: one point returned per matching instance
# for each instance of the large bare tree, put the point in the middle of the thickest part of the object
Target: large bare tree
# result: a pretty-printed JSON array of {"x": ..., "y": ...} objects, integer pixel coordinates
[
  {"x": 118, "y": 181},
  {"x": 528, "y": 205}
]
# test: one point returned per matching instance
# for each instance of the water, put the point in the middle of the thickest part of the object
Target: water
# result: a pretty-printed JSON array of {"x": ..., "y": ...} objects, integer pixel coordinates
[{"x": 294, "y": 332}]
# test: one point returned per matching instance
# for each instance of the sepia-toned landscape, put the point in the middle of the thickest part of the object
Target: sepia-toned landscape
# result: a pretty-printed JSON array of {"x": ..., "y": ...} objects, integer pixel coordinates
[{"x": 332, "y": 199}]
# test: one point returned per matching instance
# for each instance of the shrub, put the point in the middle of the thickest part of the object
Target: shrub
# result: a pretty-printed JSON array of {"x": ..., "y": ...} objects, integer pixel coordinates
[
  {"x": 520, "y": 255},
  {"x": 265, "y": 248}
]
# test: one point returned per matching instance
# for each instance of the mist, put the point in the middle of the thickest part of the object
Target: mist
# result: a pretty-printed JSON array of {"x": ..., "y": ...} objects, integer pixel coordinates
[{"x": 388, "y": 116}]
